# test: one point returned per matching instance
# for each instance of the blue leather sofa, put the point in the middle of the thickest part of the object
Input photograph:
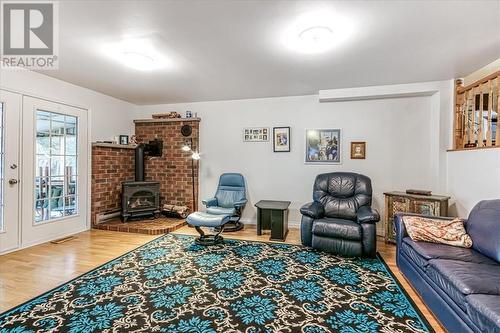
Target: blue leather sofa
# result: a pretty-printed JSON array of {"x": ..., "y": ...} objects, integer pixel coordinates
[{"x": 461, "y": 286}]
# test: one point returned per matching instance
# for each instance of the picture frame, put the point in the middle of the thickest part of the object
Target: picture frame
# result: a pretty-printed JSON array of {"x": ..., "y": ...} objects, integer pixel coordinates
[
  {"x": 358, "y": 150},
  {"x": 124, "y": 139},
  {"x": 281, "y": 139},
  {"x": 255, "y": 134},
  {"x": 323, "y": 146}
]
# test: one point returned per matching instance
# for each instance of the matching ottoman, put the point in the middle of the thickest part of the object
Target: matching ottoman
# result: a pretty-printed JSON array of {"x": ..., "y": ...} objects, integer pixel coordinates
[{"x": 202, "y": 219}]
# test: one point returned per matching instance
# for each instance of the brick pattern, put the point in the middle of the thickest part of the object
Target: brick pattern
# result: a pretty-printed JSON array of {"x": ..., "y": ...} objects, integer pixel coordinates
[
  {"x": 159, "y": 226},
  {"x": 173, "y": 169},
  {"x": 110, "y": 167},
  {"x": 113, "y": 165}
]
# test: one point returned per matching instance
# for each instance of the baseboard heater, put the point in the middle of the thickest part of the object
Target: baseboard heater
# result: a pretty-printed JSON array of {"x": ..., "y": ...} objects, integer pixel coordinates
[{"x": 109, "y": 214}]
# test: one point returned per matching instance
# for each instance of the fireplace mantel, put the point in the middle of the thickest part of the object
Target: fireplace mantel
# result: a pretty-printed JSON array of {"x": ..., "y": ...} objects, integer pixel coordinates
[
  {"x": 112, "y": 145},
  {"x": 165, "y": 120}
]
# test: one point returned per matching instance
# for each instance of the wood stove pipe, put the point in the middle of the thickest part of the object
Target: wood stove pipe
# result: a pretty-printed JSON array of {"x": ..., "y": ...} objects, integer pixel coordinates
[{"x": 139, "y": 163}]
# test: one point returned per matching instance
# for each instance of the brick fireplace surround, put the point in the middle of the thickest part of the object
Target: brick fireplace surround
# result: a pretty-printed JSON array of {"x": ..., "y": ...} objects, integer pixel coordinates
[{"x": 113, "y": 164}]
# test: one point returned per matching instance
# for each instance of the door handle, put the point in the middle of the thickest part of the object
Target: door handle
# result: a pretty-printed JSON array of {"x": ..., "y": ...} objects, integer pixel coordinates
[{"x": 13, "y": 181}]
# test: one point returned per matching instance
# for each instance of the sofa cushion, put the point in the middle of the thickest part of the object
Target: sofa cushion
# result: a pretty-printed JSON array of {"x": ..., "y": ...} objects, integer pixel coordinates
[
  {"x": 414, "y": 256},
  {"x": 459, "y": 279},
  {"x": 483, "y": 226},
  {"x": 484, "y": 311},
  {"x": 337, "y": 228},
  {"x": 422, "y": 252}
]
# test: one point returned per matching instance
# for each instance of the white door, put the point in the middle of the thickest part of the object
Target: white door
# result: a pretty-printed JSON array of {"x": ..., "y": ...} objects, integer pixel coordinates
[
  {"x": 54, "y": 171},
  {"x": 10, "y": 115}
]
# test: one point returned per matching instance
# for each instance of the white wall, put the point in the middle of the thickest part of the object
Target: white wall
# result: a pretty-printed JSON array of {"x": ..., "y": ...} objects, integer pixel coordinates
[
  {"x": 401, "y": 144},
  {"x": 473, "y": 176},
  {"x": 109, "y": 116},
  {"x": 407, "y": 139}
]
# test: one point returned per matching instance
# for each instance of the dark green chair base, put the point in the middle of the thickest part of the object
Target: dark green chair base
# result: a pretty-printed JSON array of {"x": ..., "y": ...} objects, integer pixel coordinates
[
  {"x": 209, "y": 239},
  {"x": 232, "y": 226}
]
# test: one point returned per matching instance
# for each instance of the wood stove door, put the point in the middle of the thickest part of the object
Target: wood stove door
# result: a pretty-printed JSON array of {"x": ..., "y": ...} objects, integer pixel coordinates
[{"x": 54, "y": 171}]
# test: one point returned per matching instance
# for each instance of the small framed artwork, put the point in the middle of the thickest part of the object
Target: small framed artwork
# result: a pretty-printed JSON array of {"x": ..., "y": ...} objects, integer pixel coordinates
[
  {"x": 124, "y": 139},
  {"x": 323, "y": 146},
  {"x": 281, "y": 139},
  {"x": 256, "y": 134},
  {"x": 358, "y": 150}
]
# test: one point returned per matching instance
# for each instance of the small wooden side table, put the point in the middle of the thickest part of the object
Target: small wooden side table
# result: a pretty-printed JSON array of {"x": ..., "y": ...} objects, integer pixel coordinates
[{"x": 273, "y": 215}]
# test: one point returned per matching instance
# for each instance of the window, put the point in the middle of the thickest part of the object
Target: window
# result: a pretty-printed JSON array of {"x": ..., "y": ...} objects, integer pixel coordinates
[{"x": 56, "y": 166}]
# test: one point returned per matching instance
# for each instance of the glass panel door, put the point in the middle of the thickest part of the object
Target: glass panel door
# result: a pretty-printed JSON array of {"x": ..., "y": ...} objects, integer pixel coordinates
[
  {"x": 10, "y": 112},
  {"x": 2, "y": 159},
  {"x": 55, "y": 170}
]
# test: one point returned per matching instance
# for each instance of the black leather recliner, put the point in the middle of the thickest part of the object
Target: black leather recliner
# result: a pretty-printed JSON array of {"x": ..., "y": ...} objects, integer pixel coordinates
[{"x": 340, "y": 219}]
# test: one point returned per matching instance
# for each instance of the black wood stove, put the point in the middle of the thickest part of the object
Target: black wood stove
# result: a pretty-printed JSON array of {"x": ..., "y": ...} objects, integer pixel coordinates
[{"x": 140, "y": 197}]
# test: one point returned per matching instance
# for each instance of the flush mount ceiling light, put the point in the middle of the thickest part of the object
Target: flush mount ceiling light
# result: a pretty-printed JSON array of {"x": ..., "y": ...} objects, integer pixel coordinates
[
  {"x": 316, "y": 32},
  {"x": 316, "y": 38},
  {"x": 137, "y": 53},
  {"x": 138, "y": 61}
]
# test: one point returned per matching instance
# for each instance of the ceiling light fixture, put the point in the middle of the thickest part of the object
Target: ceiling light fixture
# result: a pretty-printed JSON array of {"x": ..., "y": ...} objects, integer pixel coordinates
[
  {"x": 316, "y": 37},
  {"x": 137, "y": 53},
  {"x": 317, "y": 32},
  {"x": 138, "y": 61}
]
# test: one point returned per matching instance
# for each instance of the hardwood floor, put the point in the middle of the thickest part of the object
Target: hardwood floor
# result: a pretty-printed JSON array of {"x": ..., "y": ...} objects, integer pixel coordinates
[{"x": 27, "y": 273}]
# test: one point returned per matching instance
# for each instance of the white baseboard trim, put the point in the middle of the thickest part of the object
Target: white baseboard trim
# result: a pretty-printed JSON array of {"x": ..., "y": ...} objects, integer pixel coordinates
[
  {"x": 296, "y": 225},
  {"x": 45, "y": 240},
  {"x": 291, "y": 224}
]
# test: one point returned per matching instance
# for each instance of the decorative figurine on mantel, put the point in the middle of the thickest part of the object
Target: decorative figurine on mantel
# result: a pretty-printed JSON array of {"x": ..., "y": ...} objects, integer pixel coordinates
[{"x": 133, "y": 141}]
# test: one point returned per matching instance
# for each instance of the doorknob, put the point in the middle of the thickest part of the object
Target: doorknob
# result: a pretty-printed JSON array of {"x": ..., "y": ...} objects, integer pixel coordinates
[{"x": 13, "y": 181}]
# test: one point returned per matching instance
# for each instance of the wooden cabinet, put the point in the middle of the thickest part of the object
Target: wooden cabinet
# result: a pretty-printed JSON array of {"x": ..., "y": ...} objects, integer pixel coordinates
[{"x": 433, "y": 205}]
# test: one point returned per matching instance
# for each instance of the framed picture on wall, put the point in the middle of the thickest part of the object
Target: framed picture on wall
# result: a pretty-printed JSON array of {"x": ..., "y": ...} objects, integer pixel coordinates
[
  {"x": 256, "y": 134},
  {"x": 281, "y": 139},
  {"x": 124, "y": 139},
  {"x": 323, "y": 146},
  {"x": 358, "y": 150}
]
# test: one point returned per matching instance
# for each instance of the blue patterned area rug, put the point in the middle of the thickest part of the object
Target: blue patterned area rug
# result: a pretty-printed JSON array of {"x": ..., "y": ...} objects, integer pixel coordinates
[{"x": 173, "y": 285}]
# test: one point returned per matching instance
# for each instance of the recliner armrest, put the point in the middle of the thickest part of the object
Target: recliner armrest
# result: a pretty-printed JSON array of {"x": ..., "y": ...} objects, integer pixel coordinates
[
  {"x": 240, "y": 204},
  {"x": 210, "y": 202},
  {"x": 314, "y": 210},
  {"x": 367, "y": 214}
]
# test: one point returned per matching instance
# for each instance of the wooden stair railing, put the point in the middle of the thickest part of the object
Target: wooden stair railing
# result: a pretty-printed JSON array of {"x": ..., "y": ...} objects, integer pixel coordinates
[{"x": 477, "y": 112}]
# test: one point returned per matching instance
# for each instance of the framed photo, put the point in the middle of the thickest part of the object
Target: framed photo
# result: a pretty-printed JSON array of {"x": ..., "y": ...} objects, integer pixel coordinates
[
  {"x": 256, "y": 134},
  {"x": 281, "y": 139},
  {"x": 124, "y": 139},
  {"x": 358, "y": 150},
  {"x": 323, "y": 146}
]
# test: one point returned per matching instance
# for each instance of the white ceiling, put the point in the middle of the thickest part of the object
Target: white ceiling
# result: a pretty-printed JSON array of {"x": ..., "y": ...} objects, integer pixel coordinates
[{"x": 233, "y": 49}]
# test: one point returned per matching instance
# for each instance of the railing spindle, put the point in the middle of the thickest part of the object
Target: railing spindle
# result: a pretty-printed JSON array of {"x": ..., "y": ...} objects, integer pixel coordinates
[
  {"x": 472, "y": 118},
  {"x": 497, "y": 138},
  {"x": 480, "y": 135},
  {"x": 490, "y": 110}
]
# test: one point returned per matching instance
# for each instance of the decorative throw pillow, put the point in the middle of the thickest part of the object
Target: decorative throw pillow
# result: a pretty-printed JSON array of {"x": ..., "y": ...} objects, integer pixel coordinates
[{"x": 427, "y": 229}]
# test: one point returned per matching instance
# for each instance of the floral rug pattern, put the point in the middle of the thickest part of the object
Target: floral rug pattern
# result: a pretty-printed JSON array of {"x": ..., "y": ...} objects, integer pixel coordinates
[{"x": 173, "y": 285}]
